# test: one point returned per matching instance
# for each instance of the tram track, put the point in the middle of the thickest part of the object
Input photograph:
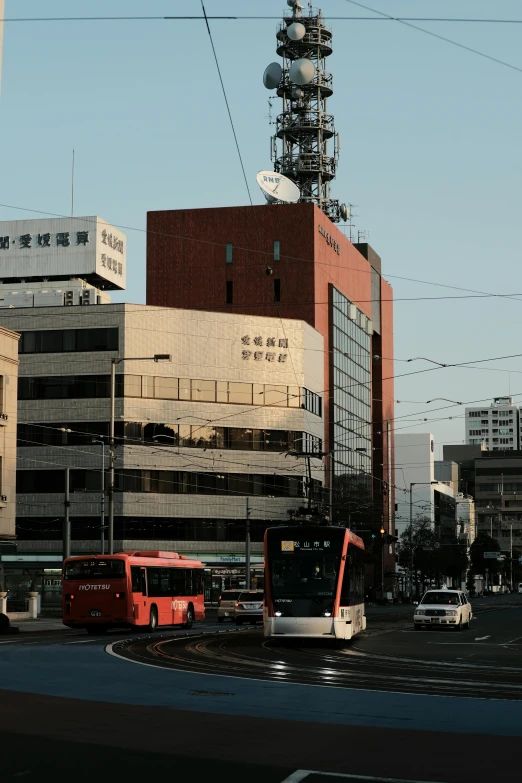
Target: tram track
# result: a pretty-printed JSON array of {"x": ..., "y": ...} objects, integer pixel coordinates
[{"x": 247, "y": 655}]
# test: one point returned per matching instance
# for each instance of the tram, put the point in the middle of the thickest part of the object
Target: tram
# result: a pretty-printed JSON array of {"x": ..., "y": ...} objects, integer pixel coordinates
[{"x": 314, "y": 582}]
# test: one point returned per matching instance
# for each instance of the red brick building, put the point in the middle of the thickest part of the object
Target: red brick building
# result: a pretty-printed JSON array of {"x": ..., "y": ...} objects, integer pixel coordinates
[{"x": 291, "y": 261}]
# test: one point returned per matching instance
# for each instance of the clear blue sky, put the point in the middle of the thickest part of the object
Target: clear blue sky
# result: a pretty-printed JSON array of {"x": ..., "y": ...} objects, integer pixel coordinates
[{"x": 430, "y": 150}]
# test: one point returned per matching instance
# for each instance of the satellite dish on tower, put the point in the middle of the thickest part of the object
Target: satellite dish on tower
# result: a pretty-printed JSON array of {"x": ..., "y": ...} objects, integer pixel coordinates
[
  {"x": 276, "y": 187},
  {"x": 296, "y": 31},
  {"x": 302, "y": 71},
  {"x": 272, "y": 76}
]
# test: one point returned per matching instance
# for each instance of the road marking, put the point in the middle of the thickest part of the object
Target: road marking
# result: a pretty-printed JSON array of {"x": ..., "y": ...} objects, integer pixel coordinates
[
  {"x": 81, "y": 641},
  {"x": 481, "y": 638},
  {"x": 511, "y": 642},
  {"x": 302, "y": 774}
]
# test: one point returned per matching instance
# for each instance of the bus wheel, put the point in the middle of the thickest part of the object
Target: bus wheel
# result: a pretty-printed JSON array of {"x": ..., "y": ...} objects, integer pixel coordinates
[
  {"x": 190, "y": 617},
  {"x": 153, "y": 622}
]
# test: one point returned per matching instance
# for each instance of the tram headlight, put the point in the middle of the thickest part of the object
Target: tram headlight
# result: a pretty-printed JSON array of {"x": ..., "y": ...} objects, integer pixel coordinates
[
  {"x": 327, "y": 613},
  {"x": 451, "y": 612},
  {"x": 278, "y": 613},
  {"x": 420, "y": 611}
]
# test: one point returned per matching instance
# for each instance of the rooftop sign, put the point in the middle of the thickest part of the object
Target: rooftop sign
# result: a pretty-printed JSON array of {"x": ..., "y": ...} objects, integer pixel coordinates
[{"x": 62, "y": 248}]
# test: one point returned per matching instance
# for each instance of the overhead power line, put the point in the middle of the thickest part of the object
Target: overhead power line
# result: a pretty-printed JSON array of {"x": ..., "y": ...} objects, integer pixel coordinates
[
  {"x": 181, "y": 18},
  {"x": 267, "y": 254},
  {"x": 436, "y": 35}
]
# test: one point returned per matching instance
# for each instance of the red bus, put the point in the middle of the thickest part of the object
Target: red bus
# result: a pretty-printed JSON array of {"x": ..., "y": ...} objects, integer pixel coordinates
[
  {"x": 314, "y": 582},
  {"x": 136, "y": 589}
]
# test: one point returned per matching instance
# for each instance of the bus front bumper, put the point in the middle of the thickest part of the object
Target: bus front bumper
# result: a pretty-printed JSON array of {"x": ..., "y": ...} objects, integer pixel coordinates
[{"x": 311, "y": 627}]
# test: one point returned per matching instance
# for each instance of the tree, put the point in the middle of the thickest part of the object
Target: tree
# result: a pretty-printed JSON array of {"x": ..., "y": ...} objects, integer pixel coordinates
[
  {"x": 452, "y": 559},
  {"x": 417, "y": 544}
]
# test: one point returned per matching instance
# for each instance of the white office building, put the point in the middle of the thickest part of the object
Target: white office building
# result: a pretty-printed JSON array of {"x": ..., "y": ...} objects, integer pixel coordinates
[
  {"x": 415, "y": 480},
  {"x": 497, "y": 427}
]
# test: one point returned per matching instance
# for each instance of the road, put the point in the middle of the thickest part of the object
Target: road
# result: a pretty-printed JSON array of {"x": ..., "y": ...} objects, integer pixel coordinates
[{"x": 63, "y": 696}]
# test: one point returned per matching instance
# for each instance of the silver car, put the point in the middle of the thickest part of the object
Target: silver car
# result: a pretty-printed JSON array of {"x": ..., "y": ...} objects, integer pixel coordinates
[{"x": 249, "y": 607}]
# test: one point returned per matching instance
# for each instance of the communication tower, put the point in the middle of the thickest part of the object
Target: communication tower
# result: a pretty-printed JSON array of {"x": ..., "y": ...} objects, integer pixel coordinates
[{"x": 305, "y": 130}]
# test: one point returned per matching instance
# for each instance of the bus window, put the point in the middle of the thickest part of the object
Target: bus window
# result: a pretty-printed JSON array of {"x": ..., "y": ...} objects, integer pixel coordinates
[
  {"x": 138, "y": 580},
  {"x": 179, "y": 578},
  {"x": 158, "y": 580},
  {"x": 95, "y": 569}
]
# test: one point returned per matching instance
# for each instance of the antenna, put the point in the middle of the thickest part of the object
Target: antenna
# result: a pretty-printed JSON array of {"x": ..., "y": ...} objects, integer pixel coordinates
[
  {"x": 304, "y": 128},
  {"x": 72, "y": 186}
]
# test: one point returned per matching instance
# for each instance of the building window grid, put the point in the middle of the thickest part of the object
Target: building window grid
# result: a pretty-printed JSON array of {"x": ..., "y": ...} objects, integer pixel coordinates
[
  {"x": 159, "y": 387},
  {"x": 352, "y": 392}
]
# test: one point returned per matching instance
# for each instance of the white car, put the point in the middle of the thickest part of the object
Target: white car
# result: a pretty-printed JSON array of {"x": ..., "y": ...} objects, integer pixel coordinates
[
  {"x": 227, "y": 605},
  {"x": 449, "y": 608}
]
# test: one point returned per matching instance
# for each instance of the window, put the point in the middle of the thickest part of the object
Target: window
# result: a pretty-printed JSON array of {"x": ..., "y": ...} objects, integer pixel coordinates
[
  {"x": 312, "y": 402},
  {"x": 204, "y": 391},
  {"x": 276, "y": 395},
  {"x": 228, "y": 253},
  {"x": 95, "y": 569},
  {"x": 132, "y": 385},
  {"x": 277, "y": 290},
  {"x": 139, "y": 584},
  {"x": 68, "y": 340},
  {"x": 277, "y": 250},
  {"x": 158, "y": 580},
  {"x": 147, "y": 386},
  {"x": 240, "y": 393},
  {"x": 229, "y": 292},
  {"x": 166, "y": 388}
]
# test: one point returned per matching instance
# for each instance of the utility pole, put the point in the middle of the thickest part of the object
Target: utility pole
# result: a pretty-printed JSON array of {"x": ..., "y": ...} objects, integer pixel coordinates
[
  {"x": 330, "y": 493},
  {"x": 102, "y": 499},
  {"x": 112, "y": 458},
  {"x": 247, "y": 545},
  {"x": 66, "y": 519},
  {"x": 511, "y": 557},
  {"x": 166, "y": 357}
]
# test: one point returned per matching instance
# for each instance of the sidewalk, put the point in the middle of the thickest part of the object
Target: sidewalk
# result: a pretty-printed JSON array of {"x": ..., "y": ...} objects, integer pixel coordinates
[{"x": 40, "y": 624}]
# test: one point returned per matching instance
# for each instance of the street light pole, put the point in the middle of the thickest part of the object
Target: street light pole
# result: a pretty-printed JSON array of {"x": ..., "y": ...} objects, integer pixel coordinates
[
  {"x": 414, "y": 484},
  {"x": 511, "y": 557},
  {"x": 112, "y": 451},
  {"x": 247, "y": 545},
  {"x": 102, "y": 499}
]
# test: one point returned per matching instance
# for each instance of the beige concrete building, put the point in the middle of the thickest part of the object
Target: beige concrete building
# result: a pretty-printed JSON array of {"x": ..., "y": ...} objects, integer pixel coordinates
[
  {"x": 200, "y": 439},
  {"x": 8, "y": 419}
]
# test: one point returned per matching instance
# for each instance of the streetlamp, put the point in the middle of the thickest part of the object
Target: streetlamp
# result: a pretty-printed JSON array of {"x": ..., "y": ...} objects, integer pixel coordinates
[
  {"x": 414, "y": 484},
  {"x": 444, "y": 399},
  {"x": 102, "y": 499},
  {"x": 112, "y": 456},
  {"x": 425, "y": 358}
]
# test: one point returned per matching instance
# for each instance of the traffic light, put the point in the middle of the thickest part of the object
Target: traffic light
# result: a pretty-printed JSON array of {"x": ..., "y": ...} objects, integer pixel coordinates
[{"x": 391, "y": 539}]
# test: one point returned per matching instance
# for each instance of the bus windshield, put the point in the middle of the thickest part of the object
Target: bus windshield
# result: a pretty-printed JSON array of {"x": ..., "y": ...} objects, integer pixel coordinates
[
  {"x": 95, "y": 569},
  {"x": 312, "y": 575}
]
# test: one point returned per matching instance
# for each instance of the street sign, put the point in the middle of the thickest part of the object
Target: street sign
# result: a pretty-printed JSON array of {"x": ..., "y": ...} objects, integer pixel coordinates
[
  {"x": 491, "y": 555},
  {"x": 428, "y": 548},
  {"x": 437, "y": 544}
]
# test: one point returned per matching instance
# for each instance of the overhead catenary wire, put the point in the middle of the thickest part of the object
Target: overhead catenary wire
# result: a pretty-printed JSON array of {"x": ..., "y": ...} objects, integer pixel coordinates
[
  {"x": 438, "y": 36},
  {"x": 254, "y": 251}
]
